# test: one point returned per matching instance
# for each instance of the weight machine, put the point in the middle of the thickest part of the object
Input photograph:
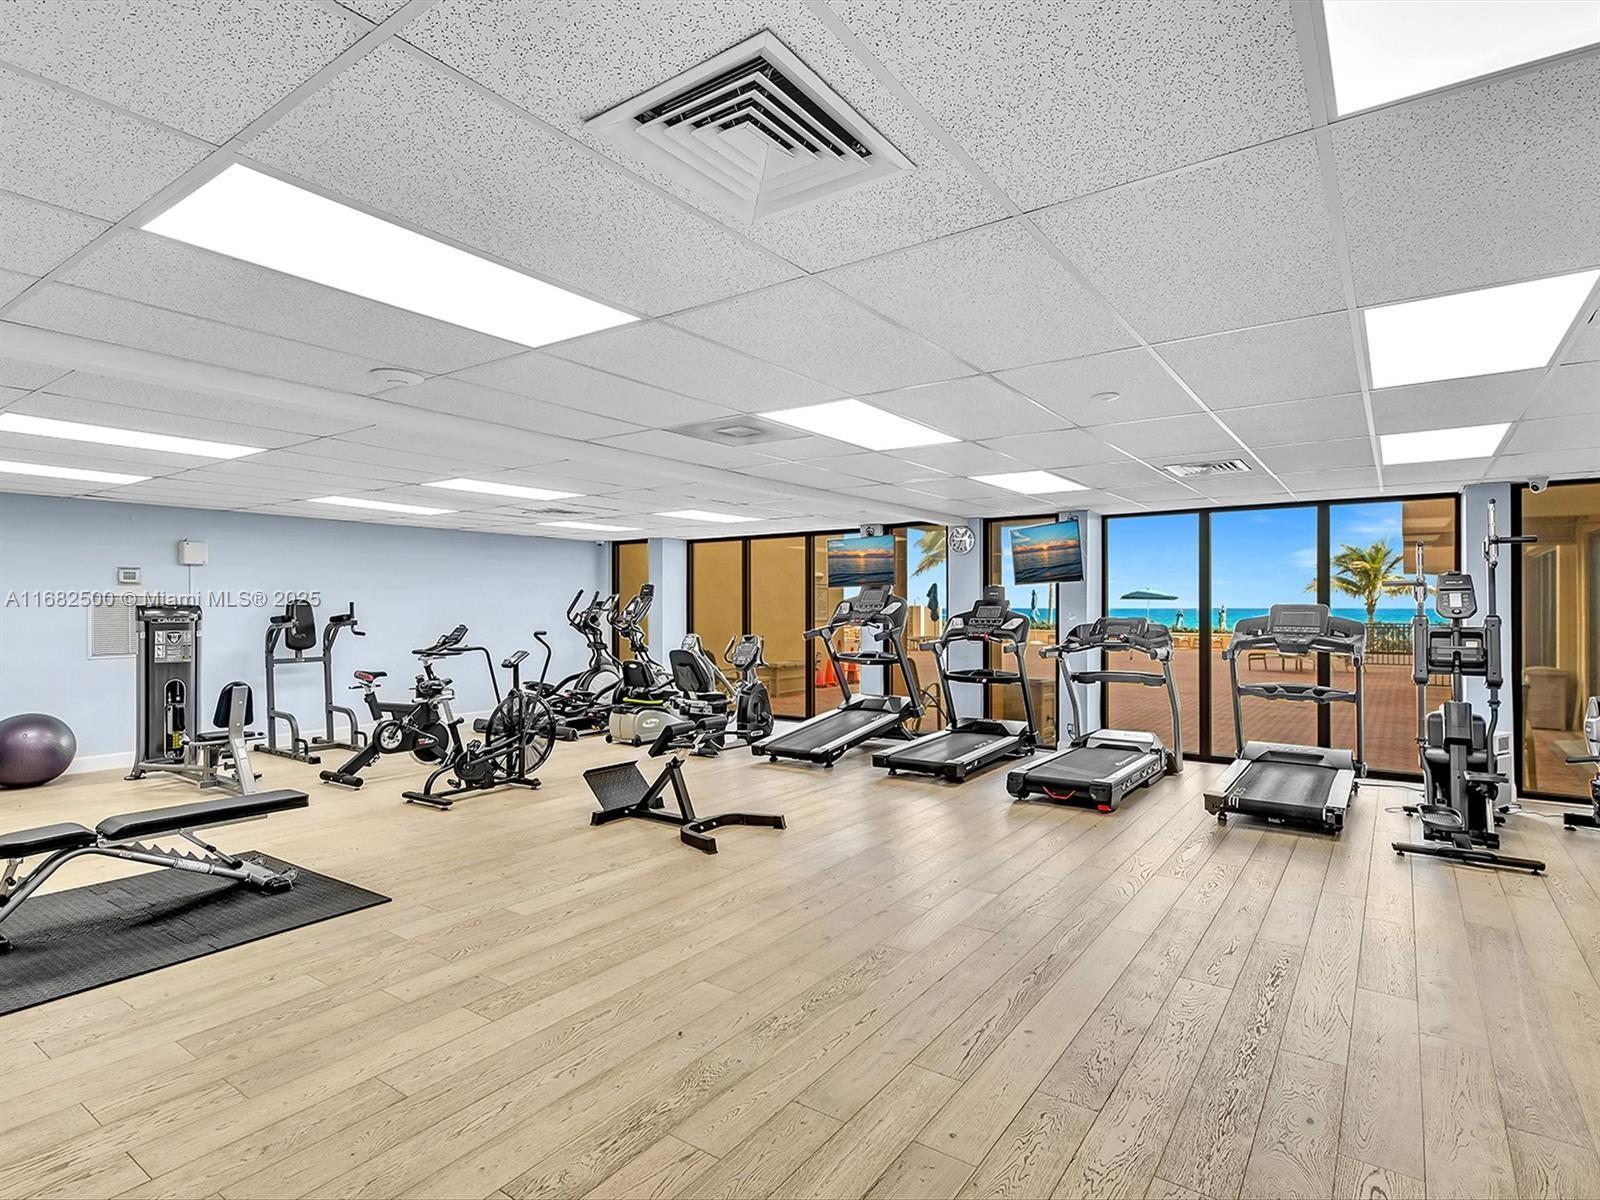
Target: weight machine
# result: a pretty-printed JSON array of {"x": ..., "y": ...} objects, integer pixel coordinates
[{"x": 296, "y": 630}]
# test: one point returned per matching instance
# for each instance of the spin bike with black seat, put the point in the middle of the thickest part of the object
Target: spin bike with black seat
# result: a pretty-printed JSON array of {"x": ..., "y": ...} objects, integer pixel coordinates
[
  {"x": 1461, "y": 787},
  {"x": 424, "y": 726}
]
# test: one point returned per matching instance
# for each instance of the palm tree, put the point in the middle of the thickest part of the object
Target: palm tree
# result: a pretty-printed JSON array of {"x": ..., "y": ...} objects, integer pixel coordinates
[
  {"x": 934, "y": 549},
  {"x": 1366, "y": 573}
]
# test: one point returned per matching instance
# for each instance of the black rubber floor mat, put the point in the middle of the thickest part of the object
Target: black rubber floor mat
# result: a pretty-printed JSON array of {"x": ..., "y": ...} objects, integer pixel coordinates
[{"x": 71, "y": 941}]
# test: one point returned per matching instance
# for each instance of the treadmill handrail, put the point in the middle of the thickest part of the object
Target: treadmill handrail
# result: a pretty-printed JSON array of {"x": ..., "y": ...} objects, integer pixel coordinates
[
  {"x": 1134, "y": 634},
  {"x": 1351, "y": 647}
]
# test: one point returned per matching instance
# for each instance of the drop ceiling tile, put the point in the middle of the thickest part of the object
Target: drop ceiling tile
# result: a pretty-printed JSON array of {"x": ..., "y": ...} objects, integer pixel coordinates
[
  {"x": 374, "y": 10},
  {"x": 667, "y": 357},
  {"x": 18, "y": 374},
  {"x": 1551, "y": 462},
  {"x": 813, "y": 330},
  {"x": 207, "y": 69},
  {"x": 1057, "y": 99},
  {"x": 13, "y": 285},
  {"x": 34, "y": 485},
  {"x": 400, "y": 135},
  {"x": 891, "y": 493},
  {"x": 35, "y": 237},
  {"x": 1452, "y": 474},
  {"x": 556, "y": 380},
  {"x": 662, "y": 444},
  {"x": 112, "y": 319},
  {"x": 600, "y": 474},
  {"x": 93, "y": 412},
  {"x": 961, "y": 458},
  {"x": 807, "y": 474},
  {"x": 1479, "y": 186},
  {"x": 1569, "y": 392},
  {"x": 70, "y": 152},
  {"x": 1324, "y": 419},
  {"x": 9, "y": 396},
  {"x": 1479, "y": 400},
  {"x": 805, "y": 449},
  {"x": 1244, "y": 240},
  {"x": 1551, "y": 434},
  {"x": 1320, "y": 456},
  {"x": 1117, "y": 474},
  {"x": 565, "y": 64},
  {"x": 478, "y": 403},
  {"x": 1292, "y": 360},
  {"x": 1063, "y": 448},
  {"x": 956, "y": 487},
  {"x": 994, "y": 296},
  {"x": 972, "y": 407},
  {"x": 58, "y": 453},
  {"x": 1317, "y": 483},
  {"x": 1587, "y": 346},
  {"x": 302, "y": 464},
  {"x": 879, "y": 468},
  {"x": 1168, "y": 492},
  {"x": 1143, "y": 389},
  {"x": 158, "y": 271},
  {"x": 1192, "y": 436},
  {"x": 156, "y": 398},
  {"x": 1238, "y": 489},
  {"x": 491, "y": 451}
]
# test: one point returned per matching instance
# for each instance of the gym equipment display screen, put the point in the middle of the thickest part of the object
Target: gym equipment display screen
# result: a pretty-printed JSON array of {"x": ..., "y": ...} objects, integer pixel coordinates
[
  {"x": 861, "y": 561},
  {"x": 1047, "y": 553}
]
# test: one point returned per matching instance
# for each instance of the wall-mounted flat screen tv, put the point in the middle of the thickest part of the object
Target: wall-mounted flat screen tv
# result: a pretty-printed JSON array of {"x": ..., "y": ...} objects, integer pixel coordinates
[
  {"x": 860, "y": 561},
  {"x": 1047, "y": 553}
]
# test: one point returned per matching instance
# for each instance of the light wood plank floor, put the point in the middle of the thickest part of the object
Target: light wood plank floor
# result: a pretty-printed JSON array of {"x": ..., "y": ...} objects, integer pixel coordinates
[{"x": 916, "y": 990}]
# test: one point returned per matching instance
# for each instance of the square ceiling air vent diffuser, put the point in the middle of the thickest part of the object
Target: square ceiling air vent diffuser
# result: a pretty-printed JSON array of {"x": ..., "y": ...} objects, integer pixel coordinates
[
  {"x": 739, "y": 431},
  {"x": 1231, "y": 466},
  {"x": 754, "y": 131}
]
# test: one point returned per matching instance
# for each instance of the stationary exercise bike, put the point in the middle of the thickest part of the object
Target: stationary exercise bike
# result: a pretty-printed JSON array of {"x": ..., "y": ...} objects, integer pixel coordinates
[
  {"x": 518, "y": 738},
  {"x": 582, "y": 701},
  {"x": 1591, "y": 740},
  {"x": 423, "y": 727},
  {"x": 1461, "y": 786}
]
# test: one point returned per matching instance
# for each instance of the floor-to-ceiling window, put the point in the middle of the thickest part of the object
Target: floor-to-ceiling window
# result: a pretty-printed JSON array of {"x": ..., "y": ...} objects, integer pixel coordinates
[
  {"x": 824, "y": 599},
  {"x": 1371, "y": 562},
  {"x": 630, "y": 568},
  {"x": 716, "y": 593},
  {"x": 1202, "y": 572},
  {"x": 1153, "y": 566},
  {"x": 1558, "y": 609},
  {"x": 777, "y": 599},
  {"x": 1039, "y": 602},
  {"x": 922, "y": 578}
]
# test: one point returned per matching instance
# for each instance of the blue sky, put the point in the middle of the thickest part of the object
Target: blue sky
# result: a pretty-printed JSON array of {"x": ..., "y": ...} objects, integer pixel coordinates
[{"x": 1259, "y": 556}]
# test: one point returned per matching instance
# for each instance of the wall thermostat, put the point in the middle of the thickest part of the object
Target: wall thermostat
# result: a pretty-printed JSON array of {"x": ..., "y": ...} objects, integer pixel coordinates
[
  {"x": 129, "y": 576},
  {"x": 192, "y": 554}
]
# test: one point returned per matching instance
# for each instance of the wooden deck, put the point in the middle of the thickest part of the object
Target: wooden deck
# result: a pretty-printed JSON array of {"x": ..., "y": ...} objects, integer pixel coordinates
[{"x": 916, "y": 990}]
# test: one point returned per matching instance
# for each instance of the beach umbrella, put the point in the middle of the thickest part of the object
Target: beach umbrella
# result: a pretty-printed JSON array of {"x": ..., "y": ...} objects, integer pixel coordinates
[{"x": 1147, "y": 596}]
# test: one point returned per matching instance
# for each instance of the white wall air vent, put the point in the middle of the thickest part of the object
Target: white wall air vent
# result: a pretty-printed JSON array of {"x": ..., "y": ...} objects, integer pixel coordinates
[
  {"x": 754, "y": 131},
  {"x": 1231, "y": 466},
  {"x": 113, "y": 631}
]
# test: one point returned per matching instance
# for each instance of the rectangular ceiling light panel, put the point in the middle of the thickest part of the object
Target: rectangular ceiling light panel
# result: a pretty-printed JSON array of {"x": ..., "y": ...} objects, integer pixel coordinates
[
  {"x": 594, "y": 526},
  {"x": 1442, "y": 445},
  {"x": 411, "y": 510},
  {"x": 1383, "y": 50},
  {"x": 1031, "y": 483},
  {"x": 484, "y": 487},
  {"x": 78, "y": 473},
  {"x": 1482, "y": 332},
  {"x": 247, "y": 214},
  {"x": 700, "y": 514},
  {"x": 110, "y": 435},
  {"x": 861, "y": 425}
]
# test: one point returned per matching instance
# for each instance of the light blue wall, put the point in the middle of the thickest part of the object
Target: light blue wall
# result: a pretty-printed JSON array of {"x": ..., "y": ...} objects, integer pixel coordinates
[
  {"x": 669, "y": 571},
  {"x": 408, "y": 584}
]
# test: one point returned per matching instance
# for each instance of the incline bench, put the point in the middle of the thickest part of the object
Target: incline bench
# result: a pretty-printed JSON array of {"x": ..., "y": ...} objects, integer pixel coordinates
[{"x": 122, "y": 837}]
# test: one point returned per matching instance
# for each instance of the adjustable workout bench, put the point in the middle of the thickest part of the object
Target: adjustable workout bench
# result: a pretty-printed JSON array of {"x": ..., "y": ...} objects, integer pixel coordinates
[{"x": 122, "y": 837}]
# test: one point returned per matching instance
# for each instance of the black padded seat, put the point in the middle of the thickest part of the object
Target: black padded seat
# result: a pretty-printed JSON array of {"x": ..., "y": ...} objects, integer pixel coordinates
[
  {"x": 46, "y": 839},
  {"x": 126, "y": 826}
]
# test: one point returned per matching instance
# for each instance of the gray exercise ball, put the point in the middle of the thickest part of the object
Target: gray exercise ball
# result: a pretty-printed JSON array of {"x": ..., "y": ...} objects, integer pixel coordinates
[{"x": 34, "y": 749}]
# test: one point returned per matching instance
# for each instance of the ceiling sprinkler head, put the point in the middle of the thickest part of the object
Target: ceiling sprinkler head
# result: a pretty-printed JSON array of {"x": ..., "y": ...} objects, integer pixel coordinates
[
  {"x": 1106, "y": 397},
  {"x": 393, "y": 377}
]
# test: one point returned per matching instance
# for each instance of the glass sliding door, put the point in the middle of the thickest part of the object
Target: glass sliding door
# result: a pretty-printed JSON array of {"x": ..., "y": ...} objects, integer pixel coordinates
[
  {"x": 1558, "y": 654},
  {"x": 716, "y": 594},
  {"x": 824, "y": 599},
  {"x": 922, "y": 578},
  {"x": 777, "y": 611},
  {"x": 1261, "y": 557},
  {"x": 1371, "y": 558},
  {"x": 630, "y": 562},
  {"x": 1039, "y": 602},
  {"x": 1153, "y": 571}
]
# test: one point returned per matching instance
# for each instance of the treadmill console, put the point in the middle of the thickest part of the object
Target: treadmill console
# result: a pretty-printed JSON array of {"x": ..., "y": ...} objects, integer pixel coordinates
[
  {"x": 1298, "y": 620},
  {"x": 992, "y": 617},
  {"x": 876, "y": 605}
]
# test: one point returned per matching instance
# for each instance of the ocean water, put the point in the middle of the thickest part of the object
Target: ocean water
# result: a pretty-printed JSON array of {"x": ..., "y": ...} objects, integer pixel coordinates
[{"x": 1386, "y": 615}]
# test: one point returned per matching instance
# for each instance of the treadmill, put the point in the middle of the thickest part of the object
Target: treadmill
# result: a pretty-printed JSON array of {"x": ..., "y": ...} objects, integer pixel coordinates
[
  {"x": 825, "y": 738},
  {"x": 1102, "y": 767},
  {"x": 1279, "y": 781},
  {"x": 972, "y": 743}
]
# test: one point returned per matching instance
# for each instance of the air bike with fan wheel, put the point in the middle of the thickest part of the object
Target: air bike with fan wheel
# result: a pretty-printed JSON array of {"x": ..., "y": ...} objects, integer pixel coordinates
[
  {"x": 1460, "y": 781},
  {"x": 1102, "y": 767},
  {"x": 1280, "y": 781}
]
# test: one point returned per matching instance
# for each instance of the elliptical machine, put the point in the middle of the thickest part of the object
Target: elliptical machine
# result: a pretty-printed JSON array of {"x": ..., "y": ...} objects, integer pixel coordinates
[
  {"x": 296, "y": 629},
  {"x": 643, "y": 702},
  {"x": 518, "y": 738},
  {"x": 582, "y": 701},
  {"x": 423, "y": 727},
  {"x": 752, "y": 703},
  {"x": 1461, "y": 786}
]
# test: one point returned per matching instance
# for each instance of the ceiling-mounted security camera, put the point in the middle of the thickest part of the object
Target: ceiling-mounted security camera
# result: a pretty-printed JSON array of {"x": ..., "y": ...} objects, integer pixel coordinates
[{"x": 1540, "y": 484}]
